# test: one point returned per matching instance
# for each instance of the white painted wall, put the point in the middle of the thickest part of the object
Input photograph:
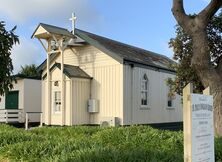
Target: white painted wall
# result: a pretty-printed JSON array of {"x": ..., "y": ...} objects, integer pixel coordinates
[
  {"x": 32, "y": 98},
  {"x": 29, "y": 96},
  {"x": 107, "y": 82},
  {"x": 56, "y": 118},
  {"x": 116, "y": 86},
  {"x": 157, "y": 111},
  {"x": 105, "y": 85},
  {"x": 43, "y": 101}
]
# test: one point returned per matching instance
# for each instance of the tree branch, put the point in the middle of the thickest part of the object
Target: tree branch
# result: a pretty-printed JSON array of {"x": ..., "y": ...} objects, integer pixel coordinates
[
  {"x": 179, "y": 13},
  {"x": 209, "y": 11}
]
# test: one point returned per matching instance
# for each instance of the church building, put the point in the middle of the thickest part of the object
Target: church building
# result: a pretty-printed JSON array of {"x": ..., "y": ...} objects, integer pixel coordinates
[{"x": 90, "y": 79}]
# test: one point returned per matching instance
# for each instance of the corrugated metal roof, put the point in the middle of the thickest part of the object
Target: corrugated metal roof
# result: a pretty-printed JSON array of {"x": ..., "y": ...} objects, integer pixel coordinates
[
  {"x": 71, "y": 71},
  {"x": 43, "y": 65},
  {"x": 55, "y": 30},
  {"x": 22, "y": 76},
  {"x": 74, "y": 71},
  {"x": 126, "y": 52},
  {"x": 119, "y": 51}
]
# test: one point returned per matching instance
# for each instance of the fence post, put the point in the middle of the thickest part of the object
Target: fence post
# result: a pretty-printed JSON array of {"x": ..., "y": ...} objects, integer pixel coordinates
[
  {"x": 6, "y": 116},
  {"x": 41, "y": 119},
  {"x": 26, "y": 121}
]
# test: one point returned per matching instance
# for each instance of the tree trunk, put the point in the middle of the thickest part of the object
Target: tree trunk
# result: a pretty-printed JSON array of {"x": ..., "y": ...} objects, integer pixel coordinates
[
  {"x": 201, "y": 62},
  {"x": 208, "y": 75},
  {"x": 217, "y": 96}
]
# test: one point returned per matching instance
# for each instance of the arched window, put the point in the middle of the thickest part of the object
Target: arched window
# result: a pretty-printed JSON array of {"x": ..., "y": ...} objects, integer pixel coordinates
[
  {"x": 170, "y": 97},
  {"x": 144, "y": 90}
]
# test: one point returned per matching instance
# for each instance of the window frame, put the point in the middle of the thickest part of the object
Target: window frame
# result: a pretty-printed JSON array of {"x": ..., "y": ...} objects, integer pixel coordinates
[
  {"x": 56, "y": 100},
  {"x": 170, "y": 99},
  {"x": 144, "y": 88}
]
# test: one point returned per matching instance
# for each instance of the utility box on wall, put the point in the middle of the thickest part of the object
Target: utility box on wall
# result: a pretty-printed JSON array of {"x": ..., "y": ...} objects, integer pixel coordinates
[
  {"x": 93, "y": 106},
  {"x": 109, "y": 121}
]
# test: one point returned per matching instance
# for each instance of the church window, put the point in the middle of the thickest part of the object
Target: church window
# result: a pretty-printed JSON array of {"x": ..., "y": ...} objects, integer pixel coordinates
[
  {"x": 57, "y": 101},
  {"x": 170, "y": 97},
  {"x": 144, "y": 90}
]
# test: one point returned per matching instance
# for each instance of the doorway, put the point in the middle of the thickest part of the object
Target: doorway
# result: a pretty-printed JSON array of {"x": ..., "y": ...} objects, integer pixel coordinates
[{"x": 12, "y": 100}]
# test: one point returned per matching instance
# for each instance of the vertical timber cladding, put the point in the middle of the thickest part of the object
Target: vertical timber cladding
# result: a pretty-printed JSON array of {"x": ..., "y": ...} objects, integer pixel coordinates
[
  {"x": 198, "y": 126},
  {"x": 12, "y": 100}
]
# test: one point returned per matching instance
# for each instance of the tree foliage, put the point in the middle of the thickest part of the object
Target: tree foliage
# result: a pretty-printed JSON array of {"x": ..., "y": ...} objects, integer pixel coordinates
[
  {"x": 182, "y": 47},
  {"x": 29, "y": 70},
  {"x": 7, "y": 40}
]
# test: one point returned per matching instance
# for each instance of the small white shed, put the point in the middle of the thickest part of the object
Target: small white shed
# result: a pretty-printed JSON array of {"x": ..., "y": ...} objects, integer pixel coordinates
[{"x": 24, "y": 97}]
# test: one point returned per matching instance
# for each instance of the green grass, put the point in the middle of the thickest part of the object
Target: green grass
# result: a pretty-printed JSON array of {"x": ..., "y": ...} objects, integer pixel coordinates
[{"x": 84, "y": 143}]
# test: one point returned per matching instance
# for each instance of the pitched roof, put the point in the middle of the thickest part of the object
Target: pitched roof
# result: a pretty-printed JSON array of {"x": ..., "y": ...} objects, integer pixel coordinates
[
  {"x": 54, "y": 30},
  {"x": 43, "y": 65},
  {"x": 22, "y": 76},
  {"x": 126, "y": 52},
  {"x": 119, "y": 51},
  {"x": 71, "y": 71},
  {"x": 74, "y": 71}
]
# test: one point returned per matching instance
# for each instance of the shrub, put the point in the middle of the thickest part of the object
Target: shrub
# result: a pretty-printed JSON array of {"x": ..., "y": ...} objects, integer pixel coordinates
[{"x": 84, "y": 143}]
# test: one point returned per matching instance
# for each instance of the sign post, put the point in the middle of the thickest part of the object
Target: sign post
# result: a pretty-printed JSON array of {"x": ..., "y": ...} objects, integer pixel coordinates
[{"x": 198, "y": 126}]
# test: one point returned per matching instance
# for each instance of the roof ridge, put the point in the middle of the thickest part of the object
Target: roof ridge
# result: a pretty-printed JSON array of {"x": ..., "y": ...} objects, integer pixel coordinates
[
  {"x": 125, "y": 44},
  {"x": 54, "y": 26}
]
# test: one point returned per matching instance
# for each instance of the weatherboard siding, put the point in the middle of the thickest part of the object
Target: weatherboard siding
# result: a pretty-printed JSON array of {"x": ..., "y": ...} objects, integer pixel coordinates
[
  {"x": 67, "y": 104},
  {"x": 32, "y": 98},
  {"x": 106, "y": 86},
  {"x": 56, "y": 118},
  {"x": 107, "y": 82},
  {"x": 86, "y": 56},
  {"x": 157, "y": 110},
  {"x": 70, "y": 57},
  {"x": 80, "y": 96}
]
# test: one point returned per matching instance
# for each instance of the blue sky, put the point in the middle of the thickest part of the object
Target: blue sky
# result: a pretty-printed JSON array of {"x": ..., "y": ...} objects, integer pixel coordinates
[{"x": 148, "y": 24}]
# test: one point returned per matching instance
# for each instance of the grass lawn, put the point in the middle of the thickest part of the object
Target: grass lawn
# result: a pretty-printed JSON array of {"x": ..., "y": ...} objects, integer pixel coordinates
[{"x": 84, "y": 143}]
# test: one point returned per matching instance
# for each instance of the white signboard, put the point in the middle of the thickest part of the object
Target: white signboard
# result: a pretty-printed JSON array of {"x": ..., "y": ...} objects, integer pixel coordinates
[{"x": 202, "y": 128}]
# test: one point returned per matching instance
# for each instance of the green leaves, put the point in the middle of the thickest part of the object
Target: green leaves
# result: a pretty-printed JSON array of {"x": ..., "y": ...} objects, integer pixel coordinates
[
  {"x": 182, "y": 46},
  {"x": 7, "y": 40},
  {"x": 29, "y": 71},
  {"x": 90, "y": 143},
  {"x": 82, "y": 143}
]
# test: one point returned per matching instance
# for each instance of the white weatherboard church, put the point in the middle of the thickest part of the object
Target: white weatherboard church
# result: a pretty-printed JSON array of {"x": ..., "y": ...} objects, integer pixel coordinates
[{"x": 89, "y": 79}]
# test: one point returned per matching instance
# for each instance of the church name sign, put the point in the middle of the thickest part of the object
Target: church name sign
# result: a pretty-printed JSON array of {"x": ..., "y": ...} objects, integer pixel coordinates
[
  {"x": 202, "y": 128},
  {"x": 198, "y": 126}
]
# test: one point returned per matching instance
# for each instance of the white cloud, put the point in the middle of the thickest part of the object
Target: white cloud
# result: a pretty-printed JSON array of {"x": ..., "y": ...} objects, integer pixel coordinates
[
  {"x": 57, "y": 12},
  {"x": 23, "y": 10},
  {"x": 26, "y": 53}
]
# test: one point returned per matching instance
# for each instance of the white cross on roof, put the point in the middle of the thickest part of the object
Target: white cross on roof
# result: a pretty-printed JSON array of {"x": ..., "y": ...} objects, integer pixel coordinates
[{"x": 73, "y": 19}]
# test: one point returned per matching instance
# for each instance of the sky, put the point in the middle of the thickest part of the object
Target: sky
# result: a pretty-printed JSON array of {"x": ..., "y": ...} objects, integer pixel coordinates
[{"x": 148, "y": 24}]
